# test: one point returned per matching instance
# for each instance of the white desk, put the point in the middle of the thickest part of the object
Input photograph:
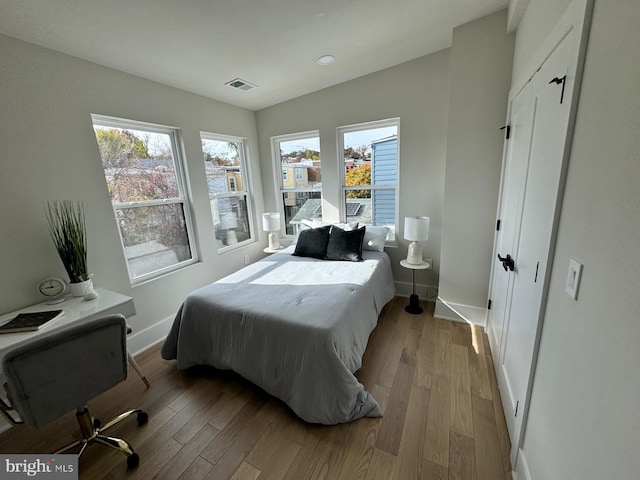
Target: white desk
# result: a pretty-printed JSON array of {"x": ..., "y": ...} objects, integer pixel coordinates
[{"x": 76, "y": 309}]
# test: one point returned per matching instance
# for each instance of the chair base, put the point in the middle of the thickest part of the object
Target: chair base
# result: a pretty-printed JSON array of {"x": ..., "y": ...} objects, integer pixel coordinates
[{"x": 92, "y": 431}]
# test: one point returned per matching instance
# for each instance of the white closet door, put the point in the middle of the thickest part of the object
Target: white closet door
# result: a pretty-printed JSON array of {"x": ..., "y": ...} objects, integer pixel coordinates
[
  {"x": 511, "y": 199},
  {"x": 550, "y": 120},
  {"x": 532, "y": 184}
]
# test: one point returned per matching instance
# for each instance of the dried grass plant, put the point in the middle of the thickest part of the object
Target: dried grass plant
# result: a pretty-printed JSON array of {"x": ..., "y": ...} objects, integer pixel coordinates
[{"x": 68, "y": 231}]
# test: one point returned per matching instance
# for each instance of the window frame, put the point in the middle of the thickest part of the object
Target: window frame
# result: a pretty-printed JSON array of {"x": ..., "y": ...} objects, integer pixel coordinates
[
  {"x": 280, "y": 174},
  {"x": 342, "y": 208},
  {"x": 184, "y": 198},
  {"x": 246, "y": 183}
]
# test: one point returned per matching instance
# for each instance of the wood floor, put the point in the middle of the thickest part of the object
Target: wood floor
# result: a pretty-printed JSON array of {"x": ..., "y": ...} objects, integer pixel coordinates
[{"x": 433, "y": 379}]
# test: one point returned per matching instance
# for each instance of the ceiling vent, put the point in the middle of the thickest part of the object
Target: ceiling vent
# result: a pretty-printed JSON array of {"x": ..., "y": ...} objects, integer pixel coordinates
[{"x": 240, "y": 84}]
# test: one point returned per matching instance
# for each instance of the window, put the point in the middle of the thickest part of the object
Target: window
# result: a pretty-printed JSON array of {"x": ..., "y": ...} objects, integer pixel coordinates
[
  {"x": 143, "y": 168},
  {"x": 370, "y": 173},
  {"x": 228, "y": 186},
  {"x": 298, "y": 158}
]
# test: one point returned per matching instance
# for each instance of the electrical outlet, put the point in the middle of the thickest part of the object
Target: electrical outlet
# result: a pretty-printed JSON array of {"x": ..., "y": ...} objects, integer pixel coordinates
[
  {"x": 430, "y": 262},
  {"x": 246, "y": 259}
]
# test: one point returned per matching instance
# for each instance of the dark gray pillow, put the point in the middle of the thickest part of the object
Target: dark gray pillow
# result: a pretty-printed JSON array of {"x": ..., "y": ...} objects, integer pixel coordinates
[
  {"x": 313, "y": 242},
  {"x": 345, "y": 244}
]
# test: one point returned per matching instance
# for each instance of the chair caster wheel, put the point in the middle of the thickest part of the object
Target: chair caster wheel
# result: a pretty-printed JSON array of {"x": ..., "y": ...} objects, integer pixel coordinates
[
  {"x": 97, "y": 423},
  {"x": 133, "y": 460},
  {"x": 142, "y": 417}
]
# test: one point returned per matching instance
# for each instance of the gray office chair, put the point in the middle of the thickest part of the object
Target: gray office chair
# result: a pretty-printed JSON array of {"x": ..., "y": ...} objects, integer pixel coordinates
[{"x": 55, "y": 373}]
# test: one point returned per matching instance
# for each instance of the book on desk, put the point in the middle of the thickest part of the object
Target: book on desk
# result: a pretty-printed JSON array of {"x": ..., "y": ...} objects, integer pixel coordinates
[{"x": 31, "y": 321}]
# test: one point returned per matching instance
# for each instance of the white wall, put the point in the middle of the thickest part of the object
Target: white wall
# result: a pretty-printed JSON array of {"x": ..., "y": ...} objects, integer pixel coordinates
[
  {"x": 584, "y": 420},
  {"x": 48, "y": 151},
  {"x": 417, "y": 92},
  {"x": 534, "y": 27},
  {"x": 480, "y": 77}
]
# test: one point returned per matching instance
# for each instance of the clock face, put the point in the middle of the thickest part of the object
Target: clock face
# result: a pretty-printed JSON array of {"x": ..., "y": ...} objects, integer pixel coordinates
[{"x": 52, "y": 287}]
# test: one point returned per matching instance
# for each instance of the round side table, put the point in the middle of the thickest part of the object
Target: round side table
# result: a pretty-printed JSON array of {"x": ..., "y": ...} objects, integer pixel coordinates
[{"x": 414, "y": 301}]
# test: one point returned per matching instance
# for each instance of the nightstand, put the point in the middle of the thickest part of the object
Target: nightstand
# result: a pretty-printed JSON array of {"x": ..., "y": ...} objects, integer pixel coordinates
[{"x": 414, "y": 302}]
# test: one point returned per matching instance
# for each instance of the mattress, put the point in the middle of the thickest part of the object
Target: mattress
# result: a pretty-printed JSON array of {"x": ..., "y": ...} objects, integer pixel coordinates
[{"x": 295, "y": 326}]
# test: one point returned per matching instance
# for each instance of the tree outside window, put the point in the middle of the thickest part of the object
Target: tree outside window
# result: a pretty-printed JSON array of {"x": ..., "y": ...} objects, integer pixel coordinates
[{"x": 144, "y": 179}]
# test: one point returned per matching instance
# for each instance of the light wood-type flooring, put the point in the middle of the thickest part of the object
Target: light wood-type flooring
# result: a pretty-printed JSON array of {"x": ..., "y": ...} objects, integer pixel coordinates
[{"x": 433, "y": 379}]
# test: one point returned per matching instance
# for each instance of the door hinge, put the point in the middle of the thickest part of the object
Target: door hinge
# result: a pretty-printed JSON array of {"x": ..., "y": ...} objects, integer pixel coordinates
[
  {"x": 498, "y": 226},
  {"x": 507, "y": 129},
  {"x": 517, "y": 405},
  {"x": 489, "y": 305}
]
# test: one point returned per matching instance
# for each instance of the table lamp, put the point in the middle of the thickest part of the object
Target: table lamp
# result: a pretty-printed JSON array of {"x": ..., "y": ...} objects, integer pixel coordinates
[
  {"x": 416, "y": 229},
  {"x": 271, "y": 224}
]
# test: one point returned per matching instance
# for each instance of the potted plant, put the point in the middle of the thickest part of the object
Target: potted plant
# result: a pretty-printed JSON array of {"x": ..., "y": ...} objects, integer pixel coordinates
[{"x": 68, "y": 230}]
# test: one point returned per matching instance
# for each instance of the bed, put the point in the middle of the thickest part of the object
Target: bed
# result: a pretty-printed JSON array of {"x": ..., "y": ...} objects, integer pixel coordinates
[{"x": 295, "y": 326}]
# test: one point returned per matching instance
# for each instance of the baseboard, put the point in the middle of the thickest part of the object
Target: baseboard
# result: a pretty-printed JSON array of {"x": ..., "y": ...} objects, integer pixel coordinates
[
  {"x": 460, "y": 313},
  {"x": 522, "y": 469},
  {"x": 138, "y": 342},
  {"x": 427, "y": 293},
  {"x": 4, "y": 424}
]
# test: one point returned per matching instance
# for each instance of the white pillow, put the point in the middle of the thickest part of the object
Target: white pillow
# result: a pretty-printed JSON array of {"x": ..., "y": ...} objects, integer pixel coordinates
[
  {"x": 314, "y": 223},
  {"x": 347, "y": 227},
  {"x": 307, "y": 224},
  {"x": 319, "y": 223},
  {"x": 375, "y": 238},
  {"x": 301, "y": 227}
]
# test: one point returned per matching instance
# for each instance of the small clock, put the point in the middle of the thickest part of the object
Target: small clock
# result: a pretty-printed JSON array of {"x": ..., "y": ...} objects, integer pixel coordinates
[{"x": 53, "y": 288}]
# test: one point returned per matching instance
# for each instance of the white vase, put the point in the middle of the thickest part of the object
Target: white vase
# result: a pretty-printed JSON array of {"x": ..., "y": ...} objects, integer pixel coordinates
[{"x": 79, "y": 289}]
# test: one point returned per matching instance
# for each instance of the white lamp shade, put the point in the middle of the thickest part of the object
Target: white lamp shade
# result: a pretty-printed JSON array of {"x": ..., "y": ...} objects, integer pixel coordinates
[
  {"x": 416, "y": 229},
  {"x": 271, "y": 221}
]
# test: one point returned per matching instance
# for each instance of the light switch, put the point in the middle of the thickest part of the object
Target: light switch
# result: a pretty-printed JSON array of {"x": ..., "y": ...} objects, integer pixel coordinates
[{"x": 573, "y": 278}]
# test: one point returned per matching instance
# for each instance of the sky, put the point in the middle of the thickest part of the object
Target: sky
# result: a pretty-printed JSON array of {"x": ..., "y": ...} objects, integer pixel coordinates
[{"x": 352, "y": 139}]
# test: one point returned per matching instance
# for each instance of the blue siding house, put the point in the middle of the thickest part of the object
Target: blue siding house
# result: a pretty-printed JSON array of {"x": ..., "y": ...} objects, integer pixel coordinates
[{"x": 384, "y": 171}]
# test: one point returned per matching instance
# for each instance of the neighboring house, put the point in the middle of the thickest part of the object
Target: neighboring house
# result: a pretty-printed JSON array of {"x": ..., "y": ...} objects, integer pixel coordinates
[
  {"x": 299, "y": 174},
  {"x": 234, "y": 179},
  {"x": 225, "y": 179},
  {"x": 384, "y": 170}
]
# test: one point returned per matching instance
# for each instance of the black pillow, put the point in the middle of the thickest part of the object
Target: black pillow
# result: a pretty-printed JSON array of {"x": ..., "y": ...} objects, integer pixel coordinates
[
  {"x": 313, "y": 242},
  {"x": 345, "y": 244}
]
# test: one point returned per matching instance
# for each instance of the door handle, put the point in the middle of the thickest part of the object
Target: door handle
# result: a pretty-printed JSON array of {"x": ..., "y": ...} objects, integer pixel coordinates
[{"x": 507, "y": 263}]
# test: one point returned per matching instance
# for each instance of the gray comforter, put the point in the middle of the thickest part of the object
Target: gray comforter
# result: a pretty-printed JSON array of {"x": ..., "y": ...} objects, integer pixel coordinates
[{"x": 295, "y": 326}]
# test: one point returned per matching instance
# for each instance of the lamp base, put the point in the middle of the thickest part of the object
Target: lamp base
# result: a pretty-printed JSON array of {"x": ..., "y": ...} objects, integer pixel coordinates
[
  {"x": 414, "y": 254},
  {"x": 414, "y": 307},
  {"x": 274, "y": 241}
]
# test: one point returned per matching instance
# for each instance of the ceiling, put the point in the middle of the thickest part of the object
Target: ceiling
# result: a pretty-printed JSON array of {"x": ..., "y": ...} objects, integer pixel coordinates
[{"x": 199, "y": 45}]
